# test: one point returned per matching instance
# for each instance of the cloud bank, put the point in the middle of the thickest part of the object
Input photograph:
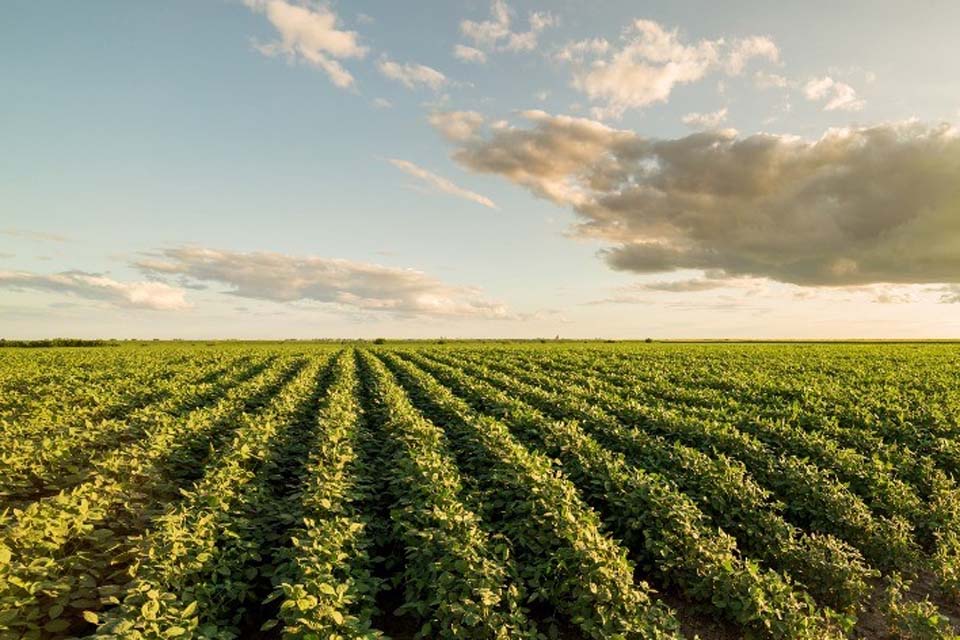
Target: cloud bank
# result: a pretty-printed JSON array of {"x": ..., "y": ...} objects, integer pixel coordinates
[
  {"x": 857, "y": 206},
  {"x": 350, "y": 285},
  {"x": 136, "y": 295}
]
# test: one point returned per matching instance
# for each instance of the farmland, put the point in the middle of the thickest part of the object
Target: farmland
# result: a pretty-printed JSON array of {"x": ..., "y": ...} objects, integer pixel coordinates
[{"x": 480, "y": 490}]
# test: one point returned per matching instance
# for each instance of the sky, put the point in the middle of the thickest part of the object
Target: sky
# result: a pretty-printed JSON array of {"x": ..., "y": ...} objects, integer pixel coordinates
[{"x": 624, "y": 169}]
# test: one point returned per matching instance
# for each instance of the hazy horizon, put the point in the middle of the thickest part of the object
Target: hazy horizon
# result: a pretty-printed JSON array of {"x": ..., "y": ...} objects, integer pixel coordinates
[{"x": 296, "y": 169}]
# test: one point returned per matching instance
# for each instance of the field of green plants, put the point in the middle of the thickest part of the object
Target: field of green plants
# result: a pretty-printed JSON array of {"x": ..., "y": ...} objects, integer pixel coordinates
[{"x": 480, "y": 490}]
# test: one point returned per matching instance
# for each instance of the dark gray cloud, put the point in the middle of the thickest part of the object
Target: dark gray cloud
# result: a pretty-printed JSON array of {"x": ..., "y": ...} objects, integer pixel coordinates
[
  {"x": 354, "y": 286},
  {"x": 857, "y": 206}
]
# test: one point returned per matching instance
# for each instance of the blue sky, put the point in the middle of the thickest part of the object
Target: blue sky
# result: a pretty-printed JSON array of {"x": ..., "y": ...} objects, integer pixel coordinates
[{"x": 275, "y": 168}]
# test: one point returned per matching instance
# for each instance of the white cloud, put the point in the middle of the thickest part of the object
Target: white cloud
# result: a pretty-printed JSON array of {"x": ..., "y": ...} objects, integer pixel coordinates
[
  {"x": 645, "y": 70},
  {"x": 579, "y": 50},
  {"x": 346, "y": 284},
  {"x": 818, "y": 88},
  {"x": 650, "y": 62},
  {"x": 456, "y": 126},
  {"x": 140, "y": 295},
  {"x": 382, "y": 103},
  {"x": 439, "y": 183},
  {"x": 764, "y": 80},
  {"x": 411, "y": 74},
  {"x": 495, "y": 34},
  {"x": 857, "y": 206},
  {"x": 310, "y": 33},
  {"x": 745, "y": 49},
  {"x": 469, "y": 54},
  {"x": 705, "y": 120},
  {"x": 837, "y": 95}
]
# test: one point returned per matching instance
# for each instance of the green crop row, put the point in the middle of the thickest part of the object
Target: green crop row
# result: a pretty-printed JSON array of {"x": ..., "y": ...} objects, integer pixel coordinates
[
  {"x": 814, "y": 498},
  {"x": 667, "y": 530},
  {"x": 925, "y": 497},
  {"x": 480, "y": 490},
  {"x": 456, "y": 579},
  {"x": 565, "y": 558},
  {"x": 39, "y": 466},
  {"x": 828, "y": 568},
  {"x": 196, "y": 570},
  {"x": 67, "y": 554}
]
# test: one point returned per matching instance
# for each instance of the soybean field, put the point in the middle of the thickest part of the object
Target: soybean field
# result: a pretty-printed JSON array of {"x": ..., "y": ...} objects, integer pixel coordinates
[{"x": 515, "y": 490}]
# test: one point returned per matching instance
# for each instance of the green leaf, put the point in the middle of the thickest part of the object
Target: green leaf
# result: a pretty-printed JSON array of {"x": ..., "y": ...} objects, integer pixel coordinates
[
  {"x": 189, "y": 609},
  {"x": 55, "y": 626},
  {"x": 150, "y": 609}
]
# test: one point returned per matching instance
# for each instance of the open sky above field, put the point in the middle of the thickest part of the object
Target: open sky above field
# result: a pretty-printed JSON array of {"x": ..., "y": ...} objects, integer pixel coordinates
[{"x": 278, "y": 168}]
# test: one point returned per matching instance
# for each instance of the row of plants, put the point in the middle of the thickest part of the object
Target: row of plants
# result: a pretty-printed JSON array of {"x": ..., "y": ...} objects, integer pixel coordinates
[
  {"x": 893, "y": 479},
  {"x": 566, "y": 559},
  {"x": 324, "y": 579},
  {"x": 68, "y": 554},
  {"x": 37, "y": 393},
  {"x": 478, "y": 491},
  {"x": 198, "y": 570},
  {"x": 32, "y": 468},
  {"x": 873, "y": 479},
  {"x": 938, "y": 490},
  {"x": 783, "y": 388},
  {"x": 458, "y": 582},
  {"x": 905, "y": 402},
  {"x": 814, "y": 498},
  {"x": 907, "y": 394},
  {"x": 664, "y": 527},
  {"x": 831, "y": 570}
]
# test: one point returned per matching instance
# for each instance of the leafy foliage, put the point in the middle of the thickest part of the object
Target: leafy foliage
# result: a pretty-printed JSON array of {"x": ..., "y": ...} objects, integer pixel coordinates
[{"x": 486, "y": 490}]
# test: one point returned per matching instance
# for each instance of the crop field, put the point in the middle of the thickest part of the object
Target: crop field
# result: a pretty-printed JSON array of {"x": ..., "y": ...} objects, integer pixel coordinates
[{"x": 480, "y": 490}]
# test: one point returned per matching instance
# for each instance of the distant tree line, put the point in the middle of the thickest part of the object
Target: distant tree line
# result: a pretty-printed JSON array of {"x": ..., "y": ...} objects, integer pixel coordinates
[{"x": 57, "y": 342}]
